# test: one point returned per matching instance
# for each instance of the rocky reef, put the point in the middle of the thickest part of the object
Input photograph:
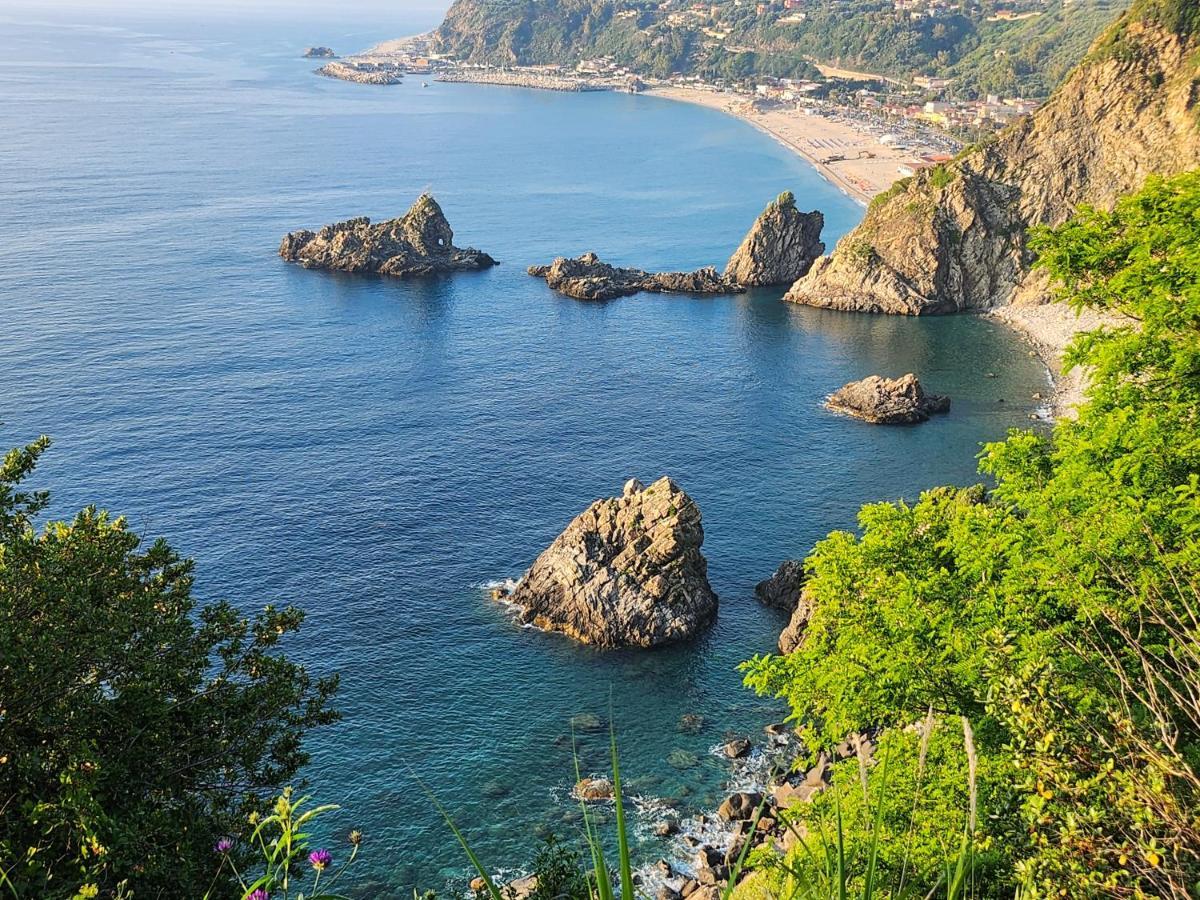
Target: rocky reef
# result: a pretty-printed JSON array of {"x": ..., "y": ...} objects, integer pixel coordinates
[
  {"x": 627, "y": 572},
  {"x": 955, "y": 237},
  {"x": 364, "y": 72},
  {"x": 418, "y": 243},
  {"x": 319, "y": 53},
  {"x": 780, "y": 246},
  {"x": 887, "y": 401},
  {"x": 588, "y": 278}
]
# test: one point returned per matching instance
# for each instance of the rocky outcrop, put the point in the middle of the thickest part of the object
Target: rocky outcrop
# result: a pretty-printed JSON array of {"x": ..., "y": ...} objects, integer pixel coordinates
[
  {"x": 319, "y": 53},
  {"x": 419, "y": 243},
  {"x": 955, "y": 237},
  {"x": 780, "y": 246},
  {"x": 782, "y": 590},
  {"x": 627, "y": 572},
  {"x": 793, "y": 633},
  {"x": 364, "y": 72},
  {"x": 886, "y": 401},
  {"x": 587, "y": 278}
]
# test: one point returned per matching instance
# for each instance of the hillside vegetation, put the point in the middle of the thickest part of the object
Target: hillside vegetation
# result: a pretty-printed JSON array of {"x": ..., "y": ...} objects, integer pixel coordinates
[{"x": 727, "y": 39}]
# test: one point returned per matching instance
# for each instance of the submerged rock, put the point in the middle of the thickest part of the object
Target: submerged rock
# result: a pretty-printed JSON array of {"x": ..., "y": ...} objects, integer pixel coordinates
[
  {"x": 627, "y": 572},
  {"x": 884, "y": 401},
  {"x": 782, "y": 590},
  {"x": 588, "y": 278},
  {"x": 780, "y": 246},
  {"x": 419, "y": 243}
]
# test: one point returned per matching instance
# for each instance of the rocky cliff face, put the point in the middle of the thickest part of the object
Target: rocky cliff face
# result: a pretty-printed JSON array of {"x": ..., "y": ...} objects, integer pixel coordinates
[
  {"x": 420, "y": 242},
  {"x": 955, "y": 237},
  {"x": 588, "y": 278},
  {"x": 627, "y": 572},
  {"x": 779, "y": 248}
]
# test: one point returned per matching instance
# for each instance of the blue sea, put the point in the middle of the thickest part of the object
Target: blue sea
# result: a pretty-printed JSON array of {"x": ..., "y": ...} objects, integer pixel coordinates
[{"x": 377, "y": 450}]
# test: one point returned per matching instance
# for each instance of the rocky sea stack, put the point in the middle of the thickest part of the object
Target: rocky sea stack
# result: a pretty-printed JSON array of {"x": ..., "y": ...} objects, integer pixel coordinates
[
  {"x": 779, "y": 248},
  {"x": 588, "y": 278},
  {"x": 319, "y": 53},
  {"x": 955, "y": 237},
  {"x": 419, "y": 243},
  {"x": 886, "y": 401},
  {"x": 627, "y": 572}
]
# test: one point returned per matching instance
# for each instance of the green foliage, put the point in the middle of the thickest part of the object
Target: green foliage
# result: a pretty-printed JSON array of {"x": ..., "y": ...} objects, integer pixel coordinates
[
  {"x": 1025, "y": 57},
  {"x": 280, "y": 843},
  {"x": 942, "y": 176},
  {"x": 1057, "y": 611},
  {"x": 136, "y": 728}
]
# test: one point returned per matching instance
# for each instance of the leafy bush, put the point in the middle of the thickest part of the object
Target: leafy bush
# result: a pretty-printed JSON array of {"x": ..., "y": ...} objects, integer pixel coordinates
[{"x": 136, "y": 728}]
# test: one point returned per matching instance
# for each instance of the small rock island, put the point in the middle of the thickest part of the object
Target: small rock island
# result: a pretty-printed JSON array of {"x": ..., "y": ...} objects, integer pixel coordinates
[
  {"x": 419, "y": 243},
  {"x": 778, "y": 249},
  {"x": 884, "y": 401},
  {"x": 627, "y": 572},
  {"x": 587, "y": 278},
  {"x": 319, "y": 53}
]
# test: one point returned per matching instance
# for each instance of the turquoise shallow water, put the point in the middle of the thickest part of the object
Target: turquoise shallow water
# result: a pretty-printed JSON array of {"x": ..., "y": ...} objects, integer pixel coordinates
[{"x": 377, "y": 450}]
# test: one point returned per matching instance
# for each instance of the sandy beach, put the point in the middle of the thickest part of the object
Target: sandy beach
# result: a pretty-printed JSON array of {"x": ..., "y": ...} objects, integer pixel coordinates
[{"x": 869, "y": 167}]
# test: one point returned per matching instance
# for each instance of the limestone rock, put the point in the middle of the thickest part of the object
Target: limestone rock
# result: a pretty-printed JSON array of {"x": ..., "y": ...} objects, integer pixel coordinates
[
  {"x": 419, "y": 243},
  {"x": 782, "y": 590},
  {"x": 588, "y": 278},
  {"x": 885, "y": 401},
  {"x": 955, "y": 237},
  {"x": 780, "y": 247},
  {"x": 628, "y": 571}
]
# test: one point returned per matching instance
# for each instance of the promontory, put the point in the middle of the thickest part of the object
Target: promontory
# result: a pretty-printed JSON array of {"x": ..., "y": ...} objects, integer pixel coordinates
[{"x": 418, "y": 243}]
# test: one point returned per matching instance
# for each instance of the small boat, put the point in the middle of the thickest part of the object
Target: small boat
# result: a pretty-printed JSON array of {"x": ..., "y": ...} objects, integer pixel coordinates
[{"x": 424, "y": 84}]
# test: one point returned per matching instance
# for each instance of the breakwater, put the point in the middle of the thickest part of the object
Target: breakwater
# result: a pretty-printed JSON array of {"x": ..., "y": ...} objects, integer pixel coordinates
[{"x": 539, "y": 80}]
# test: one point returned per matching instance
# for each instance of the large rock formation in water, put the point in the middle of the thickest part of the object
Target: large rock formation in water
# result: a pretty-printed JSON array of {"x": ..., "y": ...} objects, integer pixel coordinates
[
  {"x": 588, "y": 278},
  {"x": 955, "y": 237},
  {"x": 628, "y": 571},
  {"x": 420, "y": 242},
  {"x": 779, "y": 248},
  {"x": 888, "y": 401}
]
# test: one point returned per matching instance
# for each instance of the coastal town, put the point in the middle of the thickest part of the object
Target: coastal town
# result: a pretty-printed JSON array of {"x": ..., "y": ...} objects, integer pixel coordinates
[{"x": 862, "y": 132}]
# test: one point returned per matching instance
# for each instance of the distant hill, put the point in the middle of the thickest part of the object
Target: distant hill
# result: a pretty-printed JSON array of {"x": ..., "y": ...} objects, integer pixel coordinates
[{"x": 1023, "y": 47}]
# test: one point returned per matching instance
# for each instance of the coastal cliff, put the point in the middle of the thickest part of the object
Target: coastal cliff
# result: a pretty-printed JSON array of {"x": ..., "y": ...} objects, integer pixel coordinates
[
  {"x": 418, "y": 243},
  {"x": 956, "y": 237}
]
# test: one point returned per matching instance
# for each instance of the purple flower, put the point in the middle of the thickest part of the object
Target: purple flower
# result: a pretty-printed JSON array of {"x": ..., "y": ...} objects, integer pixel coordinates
[
  {"x": 320, "y": 859},
  {"x": 224, "y": 845},
  {"x": 258, "y": 894}
]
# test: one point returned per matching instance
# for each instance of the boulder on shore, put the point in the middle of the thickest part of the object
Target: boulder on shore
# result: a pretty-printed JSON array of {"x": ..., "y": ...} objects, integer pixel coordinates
[
  {"x": 885, "y": 401},
  {"x": 780, "y": 247},
  {"x": 627, "y": 572},
  {"x": 418, "y": 243},
  {"x": 782, "y": 590},
  {"x": 588, "y": 278}
]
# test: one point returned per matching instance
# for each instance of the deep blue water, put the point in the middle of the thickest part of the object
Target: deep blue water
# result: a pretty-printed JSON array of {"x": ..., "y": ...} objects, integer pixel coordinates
[{"x": 377, "y": 450}]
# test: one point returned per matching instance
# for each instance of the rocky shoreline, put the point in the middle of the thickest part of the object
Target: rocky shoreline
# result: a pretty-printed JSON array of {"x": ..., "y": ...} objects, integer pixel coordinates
[
  {"x": 533, "y": 80},
  {"x": 363, "y": 72}
]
